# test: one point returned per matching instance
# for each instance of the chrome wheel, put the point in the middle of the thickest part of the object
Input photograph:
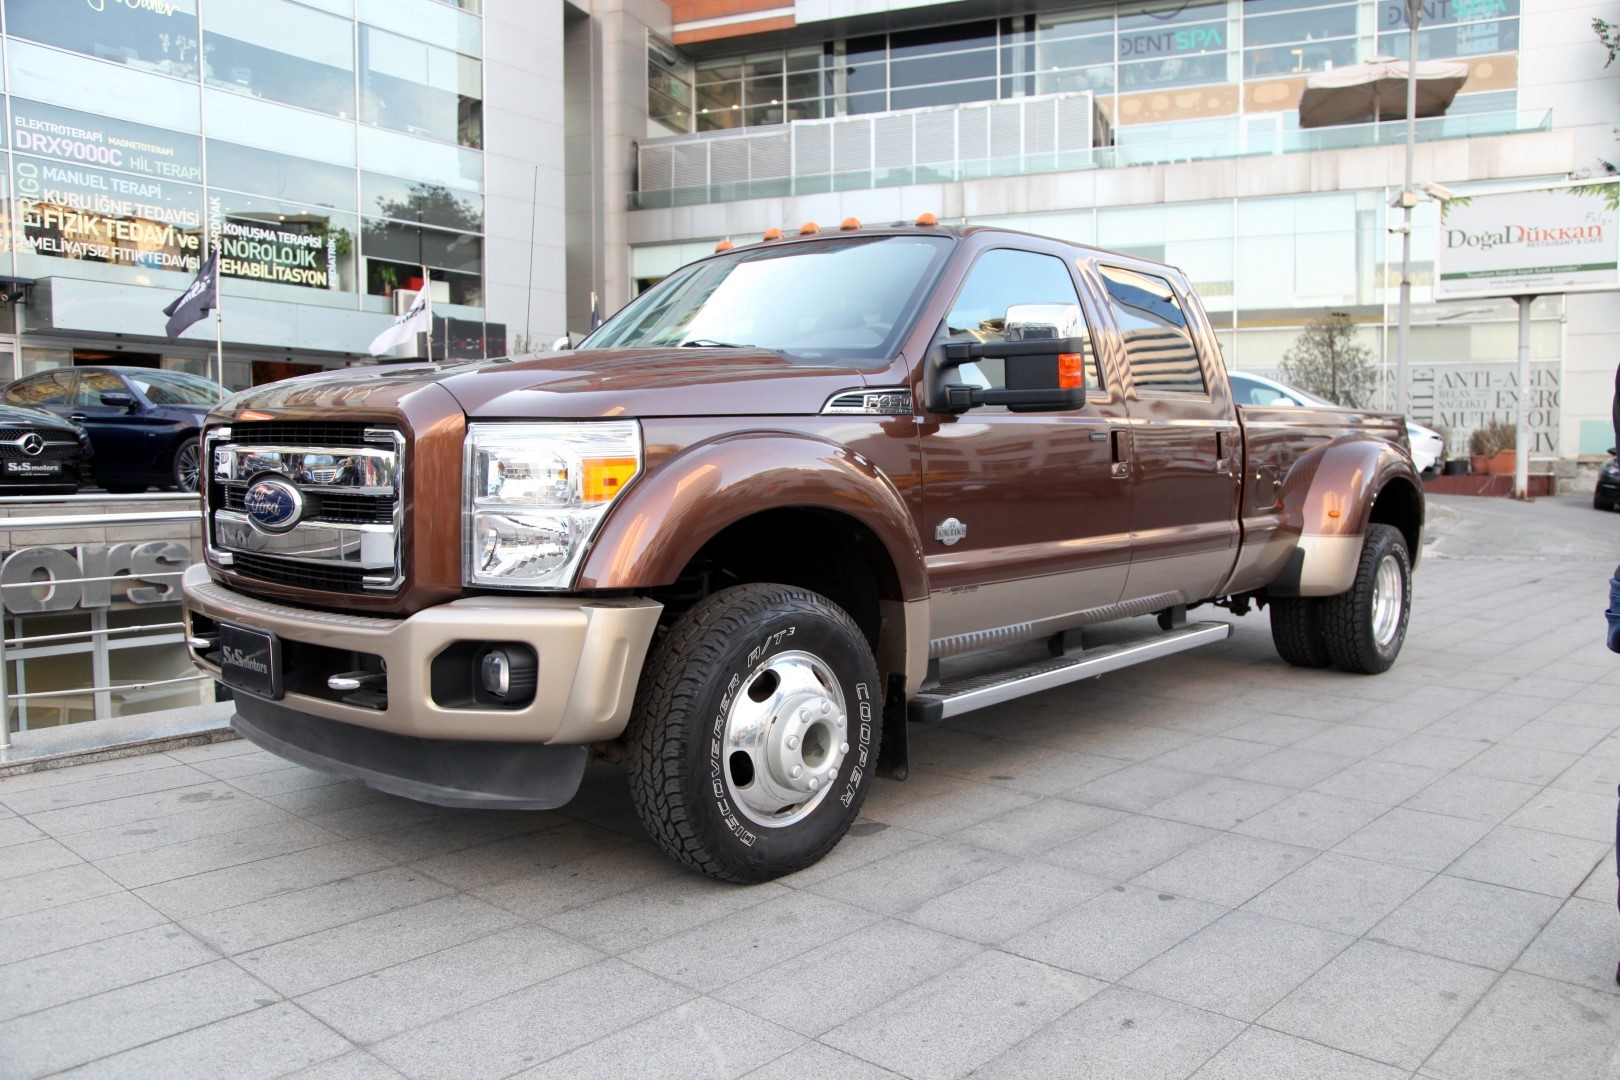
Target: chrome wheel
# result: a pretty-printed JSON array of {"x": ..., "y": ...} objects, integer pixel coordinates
[
  {"x": 786, "y": 733},
  {"x": 1388, "y": 600},
  {"x": 187, "y": 466}
]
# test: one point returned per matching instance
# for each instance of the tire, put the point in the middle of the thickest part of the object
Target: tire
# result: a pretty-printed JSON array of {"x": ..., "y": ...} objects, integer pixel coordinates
[
  {"x": 1600, "y": 503},
  {"x": 186, "y": 467},
  {"x": 1365, "y": 627},
  {"x": 1296, "y": 631},
  {"x": 754, "y": 681}
]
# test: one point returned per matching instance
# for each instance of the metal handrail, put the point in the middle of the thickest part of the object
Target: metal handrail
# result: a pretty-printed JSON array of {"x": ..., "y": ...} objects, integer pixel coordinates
[{"x": 192, "y": 513}]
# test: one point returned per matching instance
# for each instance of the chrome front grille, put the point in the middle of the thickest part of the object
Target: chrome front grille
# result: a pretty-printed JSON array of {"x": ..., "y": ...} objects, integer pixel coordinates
[{"x": 349, "y": 479}]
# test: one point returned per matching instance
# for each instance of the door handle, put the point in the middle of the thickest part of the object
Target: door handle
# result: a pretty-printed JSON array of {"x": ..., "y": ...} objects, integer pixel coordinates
[
  {"x": 77, "y": 418},
  {"x": 1120, "y": 443},
  {"x": 1223, "y": 442}
]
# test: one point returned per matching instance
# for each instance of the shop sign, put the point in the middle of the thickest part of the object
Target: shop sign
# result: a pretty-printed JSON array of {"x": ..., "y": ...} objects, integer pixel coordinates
[
  {"x": 57, "y": 576},
  {"x": 73, "y": 212},
  {"x": 1463, "y": 397},
  {"x": 1189, "y": 39},
  {"x": 1392, "y": 13},
  {"x": 263, "y": 252},
  {"x": 1530, "y": 243},
  {"x": 88, "y": 139}
]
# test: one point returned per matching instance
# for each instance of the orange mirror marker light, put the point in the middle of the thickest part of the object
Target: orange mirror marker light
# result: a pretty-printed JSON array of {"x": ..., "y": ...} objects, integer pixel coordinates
[
  {"x": 724, "y": 245},
  {"x": 1071, "y": 370},
  {"x": 772, "y": 233},
  {"x": 925, "y": 220},
  {"x": 809, "y": 228},
  {"x": 849, "y": 224}
]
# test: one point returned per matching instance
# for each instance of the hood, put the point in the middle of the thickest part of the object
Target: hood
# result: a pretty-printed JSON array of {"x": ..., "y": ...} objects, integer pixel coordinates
[
  {"x": 618, "y": 382},
  {"x": 20, "y": 416}
]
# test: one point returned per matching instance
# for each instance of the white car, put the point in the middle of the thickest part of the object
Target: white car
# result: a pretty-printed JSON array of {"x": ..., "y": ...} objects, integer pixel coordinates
[{"x": 1428, "y": 445}]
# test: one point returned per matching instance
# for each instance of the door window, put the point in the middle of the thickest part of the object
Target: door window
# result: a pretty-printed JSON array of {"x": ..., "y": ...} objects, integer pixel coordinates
[
  {"x": 1158, "y": 344},
  {"x": 51, "y": 388},
  {"x": 92, "y": 384},
  {"x": 1036, "y": 291}
]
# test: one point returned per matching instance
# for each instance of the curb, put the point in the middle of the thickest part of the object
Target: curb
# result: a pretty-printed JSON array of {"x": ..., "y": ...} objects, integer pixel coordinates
[{"x": 125, "y": 736}]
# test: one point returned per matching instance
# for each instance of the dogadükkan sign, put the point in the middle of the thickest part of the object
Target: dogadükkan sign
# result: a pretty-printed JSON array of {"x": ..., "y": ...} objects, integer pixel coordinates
[
  {"x": 92, "y": 576},
  {"x": 1530, "y": 243}
]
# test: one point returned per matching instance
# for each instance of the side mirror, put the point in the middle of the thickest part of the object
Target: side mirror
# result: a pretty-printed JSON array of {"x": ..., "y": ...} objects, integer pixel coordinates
[
  {"x": 562, "y": 344},
  {"x": 118, "y": 399},
  {"x": 1042, "y": 374}
]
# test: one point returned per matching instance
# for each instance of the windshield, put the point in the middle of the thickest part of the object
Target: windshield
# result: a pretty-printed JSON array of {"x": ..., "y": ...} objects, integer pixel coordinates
[
  {"x": 849, "y": 297},
  {"x": 176, "y": 388}
]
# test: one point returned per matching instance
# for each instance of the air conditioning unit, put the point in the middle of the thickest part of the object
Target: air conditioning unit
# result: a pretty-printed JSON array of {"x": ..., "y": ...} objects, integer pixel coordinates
[{"x": 404, "y": 298}]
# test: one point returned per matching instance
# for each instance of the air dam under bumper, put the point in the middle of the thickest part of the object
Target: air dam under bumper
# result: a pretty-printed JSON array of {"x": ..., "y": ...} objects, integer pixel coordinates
[{"x": 590, "y": 651}]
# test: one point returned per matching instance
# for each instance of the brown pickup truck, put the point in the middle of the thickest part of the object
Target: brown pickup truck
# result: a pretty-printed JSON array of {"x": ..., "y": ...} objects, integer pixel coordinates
[{"x": 747, "y": 530}]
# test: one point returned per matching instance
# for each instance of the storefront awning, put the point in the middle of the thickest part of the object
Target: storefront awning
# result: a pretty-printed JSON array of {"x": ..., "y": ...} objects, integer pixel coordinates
[{"x": 1376, "y": 90}]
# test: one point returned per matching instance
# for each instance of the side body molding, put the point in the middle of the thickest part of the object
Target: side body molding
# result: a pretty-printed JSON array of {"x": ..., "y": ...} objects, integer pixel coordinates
[
  {"x": 668, "y": 515},
  {"x": 1324, "y": 505}
]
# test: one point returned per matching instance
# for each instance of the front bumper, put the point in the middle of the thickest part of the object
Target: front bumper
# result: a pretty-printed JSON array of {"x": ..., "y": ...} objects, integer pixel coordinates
[{"x": 590, "y": 651}]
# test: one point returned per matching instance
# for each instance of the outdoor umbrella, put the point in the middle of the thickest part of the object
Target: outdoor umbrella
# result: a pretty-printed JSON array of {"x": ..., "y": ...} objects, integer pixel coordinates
[{"x": 1376, "y": 90}]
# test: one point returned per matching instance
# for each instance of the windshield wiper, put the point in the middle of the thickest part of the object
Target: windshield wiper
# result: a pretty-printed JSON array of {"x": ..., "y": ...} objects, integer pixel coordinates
[{"x": 710, "y": 343}]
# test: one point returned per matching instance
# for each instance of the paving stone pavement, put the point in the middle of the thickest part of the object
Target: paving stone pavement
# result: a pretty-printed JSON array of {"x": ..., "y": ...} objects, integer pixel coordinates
[{"x": 1213, "y": 866}]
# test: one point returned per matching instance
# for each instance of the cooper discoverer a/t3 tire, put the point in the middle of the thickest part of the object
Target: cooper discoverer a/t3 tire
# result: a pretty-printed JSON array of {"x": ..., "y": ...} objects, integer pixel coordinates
[
  {"x": 1365, "y": 626},
  {"x": 1296, "y": 631},
  {"x": 755, "y": 732}
]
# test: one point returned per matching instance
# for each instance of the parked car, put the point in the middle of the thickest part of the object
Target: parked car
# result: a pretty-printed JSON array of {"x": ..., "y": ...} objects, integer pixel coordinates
[
  {"x": 745, "y": 531},
  {"x": 1428, "y": 445},
  {"x": 143, "y": 422},
  {"x": 41, "y": 454},
  {"x": 1606, "y": 496}
]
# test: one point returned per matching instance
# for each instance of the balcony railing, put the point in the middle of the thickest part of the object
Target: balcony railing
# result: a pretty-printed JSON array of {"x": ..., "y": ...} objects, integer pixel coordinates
[{"x": 768, "y": 162}]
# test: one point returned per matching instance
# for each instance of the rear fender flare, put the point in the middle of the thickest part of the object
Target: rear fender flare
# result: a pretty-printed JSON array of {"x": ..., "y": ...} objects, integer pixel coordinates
[
  {"x": 666, "y": 517},
  {"x": 1327, "y": 499}
]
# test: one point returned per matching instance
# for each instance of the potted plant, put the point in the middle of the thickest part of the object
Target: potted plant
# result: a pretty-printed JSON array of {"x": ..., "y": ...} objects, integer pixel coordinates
[{"x": 1492, "y": 448}]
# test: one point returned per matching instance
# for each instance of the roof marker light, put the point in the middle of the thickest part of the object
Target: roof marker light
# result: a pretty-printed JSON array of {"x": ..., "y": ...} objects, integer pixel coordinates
[
  {"x": 809, "y": 228},
  {"x": 724, "y": 245},
  {"x": 849, "y": 224},
  {"x": 772, "y": 234},
  {"x": 925, "y": 220}
]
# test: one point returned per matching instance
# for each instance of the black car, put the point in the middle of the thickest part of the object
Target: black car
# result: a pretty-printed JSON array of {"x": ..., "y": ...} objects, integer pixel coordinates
[
  {"x": 41, "y": 454},
  {"x": 1607, "y": 494},
  {"x": 143, "y": 422}
]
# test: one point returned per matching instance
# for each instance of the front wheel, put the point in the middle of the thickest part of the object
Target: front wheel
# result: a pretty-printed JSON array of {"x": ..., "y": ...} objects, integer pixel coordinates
[
  {"x": 1365, "y": 627},
  {"x": 187, "y": 466},
  {"x": 1600, "y": 503},
  {"x": 755, "y": 732}
]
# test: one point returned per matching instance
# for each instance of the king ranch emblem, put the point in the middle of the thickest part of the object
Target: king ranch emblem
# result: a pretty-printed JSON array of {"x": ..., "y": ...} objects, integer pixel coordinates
[{"x": 950, "y": 531}]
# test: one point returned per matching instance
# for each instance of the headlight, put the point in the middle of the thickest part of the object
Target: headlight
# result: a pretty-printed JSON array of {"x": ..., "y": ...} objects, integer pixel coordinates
[
  {"x": 1612, "y": 467},
  {"x": 534, "y": 495}
]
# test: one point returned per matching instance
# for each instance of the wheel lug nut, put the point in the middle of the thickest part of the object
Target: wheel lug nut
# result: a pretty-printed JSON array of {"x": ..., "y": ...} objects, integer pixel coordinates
[
  {"x": 826, "y": 707},
  {"x": 843, "y": 748},
  {"x": 793, "y": 742},
  {"x": 795, "y": 771},
  {"x": 840, "y": 721},
  {"x": 813, "y": 783}
]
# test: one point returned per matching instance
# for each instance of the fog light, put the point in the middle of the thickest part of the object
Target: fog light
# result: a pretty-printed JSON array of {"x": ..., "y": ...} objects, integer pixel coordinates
[{"x": 508, "y": 673}]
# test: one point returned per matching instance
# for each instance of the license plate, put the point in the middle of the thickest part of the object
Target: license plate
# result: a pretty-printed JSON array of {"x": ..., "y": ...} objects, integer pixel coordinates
[
  {"x": 250, "y": 660},
  {"x": 33, "y": 468}
]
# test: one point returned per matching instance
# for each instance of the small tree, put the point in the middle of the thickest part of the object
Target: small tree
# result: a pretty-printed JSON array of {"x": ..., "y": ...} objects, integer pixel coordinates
[{"x": 1328, "y": 361}]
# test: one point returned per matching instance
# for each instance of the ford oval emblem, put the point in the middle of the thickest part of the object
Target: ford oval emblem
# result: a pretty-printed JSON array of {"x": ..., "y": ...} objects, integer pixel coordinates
[{"x": 273, "y": 505}]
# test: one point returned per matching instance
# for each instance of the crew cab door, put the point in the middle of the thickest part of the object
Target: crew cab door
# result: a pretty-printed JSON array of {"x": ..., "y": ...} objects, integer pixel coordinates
[
  {"x": 1024, "y": 517},
  {"x": 1184, "y": 436}
]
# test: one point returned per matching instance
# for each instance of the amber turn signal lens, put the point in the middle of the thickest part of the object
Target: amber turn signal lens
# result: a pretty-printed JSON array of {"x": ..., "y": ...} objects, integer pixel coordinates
[
  {"x": 772, "y": 234},
  {"x": 603, "y": 477},
  {"x": 724, "y": 245},
  {"x": 809, "y": 228},
  {"x": 850, "y": 224},
  {"x": 1071, "y": 370},
  {"x": 925, "y": 220}
]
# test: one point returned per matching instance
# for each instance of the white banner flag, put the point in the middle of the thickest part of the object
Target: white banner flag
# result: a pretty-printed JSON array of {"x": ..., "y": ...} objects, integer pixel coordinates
[{"x": 416, "y": 320}]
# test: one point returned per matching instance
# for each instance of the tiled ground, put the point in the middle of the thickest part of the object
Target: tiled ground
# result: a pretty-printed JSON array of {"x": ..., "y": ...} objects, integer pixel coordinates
[{"x": 1213, "y": 866}]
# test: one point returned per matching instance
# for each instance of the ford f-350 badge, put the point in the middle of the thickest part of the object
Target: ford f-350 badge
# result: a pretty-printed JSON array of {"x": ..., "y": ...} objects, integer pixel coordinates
[{"x": 949, "y": 531}]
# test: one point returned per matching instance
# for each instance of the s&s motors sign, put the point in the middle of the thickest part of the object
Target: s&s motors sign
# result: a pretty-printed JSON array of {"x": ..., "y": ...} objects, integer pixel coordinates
[{"x": 1546, "y": 240}]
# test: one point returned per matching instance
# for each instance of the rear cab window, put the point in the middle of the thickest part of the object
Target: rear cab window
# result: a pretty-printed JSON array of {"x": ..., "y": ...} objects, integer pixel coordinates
[{"x": 1159, "y": 348}]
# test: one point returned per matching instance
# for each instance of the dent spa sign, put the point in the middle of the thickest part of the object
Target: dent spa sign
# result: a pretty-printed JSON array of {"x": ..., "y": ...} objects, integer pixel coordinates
[{"x": 1547, "y": 240}]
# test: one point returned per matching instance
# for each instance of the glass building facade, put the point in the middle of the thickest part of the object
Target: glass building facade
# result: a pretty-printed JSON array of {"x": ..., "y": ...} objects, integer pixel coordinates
[{"x": 331, "y": 148}]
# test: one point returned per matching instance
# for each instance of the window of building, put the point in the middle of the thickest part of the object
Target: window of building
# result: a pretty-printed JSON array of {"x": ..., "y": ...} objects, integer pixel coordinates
[
  {"x": 761, "y": 88},
  {"x": 265, "y": 172},
  {"x": 1158, "y": 344},
  {"x": 74, "y": 212},
  {"x": 85, "y": 138},
  {"x": 1002, "y": 281},
  {"x": 160, "y": 38},
  {"x": 430, "y": 20},
  {"x": 395, "y": 254},
  {"x": 281, "y": 51},
  {"x": 669, "y": 86},
  {"x": 281, "y": 244},
  {"x": 419, "y": 201},
  {"x": 420, "y": 89}
]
